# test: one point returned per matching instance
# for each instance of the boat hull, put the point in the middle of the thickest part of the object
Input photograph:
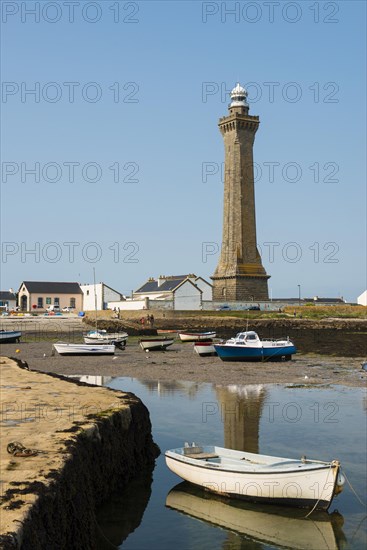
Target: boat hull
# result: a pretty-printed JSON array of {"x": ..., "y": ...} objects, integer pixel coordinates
[
  {"x": 156, "y": 344},
  {"x": 97, "y": 338},
  {"x": 198, "y": 336},
  {"x": 205, "y": 349},
  {"x": 84, "y": 349},
  {"x": 247, "y": 353},
  {"x": 9, "y": 336},
  {"x": 293, "y": 484}
]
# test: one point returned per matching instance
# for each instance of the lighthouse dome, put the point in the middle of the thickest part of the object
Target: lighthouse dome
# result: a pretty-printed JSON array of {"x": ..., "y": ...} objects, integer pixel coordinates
[{"x": 239, "y": 96}]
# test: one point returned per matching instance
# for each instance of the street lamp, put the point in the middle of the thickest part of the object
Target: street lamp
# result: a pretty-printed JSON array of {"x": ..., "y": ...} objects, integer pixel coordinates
[{"x": 299, "y": 295}]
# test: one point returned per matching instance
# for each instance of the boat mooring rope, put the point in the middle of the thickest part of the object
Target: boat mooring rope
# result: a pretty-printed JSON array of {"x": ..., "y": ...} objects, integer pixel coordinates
[
  {"x": 318, "y": 500},
  {"x": 353, "y": 490}
]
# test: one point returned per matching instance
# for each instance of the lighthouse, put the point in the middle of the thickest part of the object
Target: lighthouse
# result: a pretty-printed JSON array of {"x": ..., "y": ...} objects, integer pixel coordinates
[{"x": 240, "y": 275}]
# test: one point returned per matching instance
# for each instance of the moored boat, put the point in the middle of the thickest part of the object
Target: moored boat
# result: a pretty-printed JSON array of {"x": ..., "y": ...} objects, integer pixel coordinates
[
  {"x": 196, "y": 336},
  {"x": 104, "y": 337},
  {"x": 155, "y": 344},
  {"x": 64, "y": 348},
  {"x": 9, "y": 336},
  {"x": 247, "y": 346},
  {"x": 258, "y": 478},
  {"x": 205, "y": 349},
  {"x": 281, "y": 527}
]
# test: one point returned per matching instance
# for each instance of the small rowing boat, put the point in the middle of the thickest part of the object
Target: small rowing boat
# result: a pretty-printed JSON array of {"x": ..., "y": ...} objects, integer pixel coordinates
[
  {"x": 258, "y": 478},
  {"x": 64, "y": 348},
  {"x": 205, "y": 349},
  {"x": 155, "y": 344},
  {"x": 196, "y": 336},
  {"x": 104, "y": 337},
  {"x": 9, "y": 336}
]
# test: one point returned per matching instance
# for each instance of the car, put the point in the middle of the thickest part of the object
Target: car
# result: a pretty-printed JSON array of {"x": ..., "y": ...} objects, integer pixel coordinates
[
  {"x": 224, "y": 308},
  {"x": 253, "y": 308},
  {"x": 53, "y": 308},
  {"x": 67, "y": 309}
]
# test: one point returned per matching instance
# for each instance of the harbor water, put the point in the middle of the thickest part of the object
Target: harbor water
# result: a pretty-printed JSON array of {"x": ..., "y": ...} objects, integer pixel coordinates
[{"x": 157, "y": 511}]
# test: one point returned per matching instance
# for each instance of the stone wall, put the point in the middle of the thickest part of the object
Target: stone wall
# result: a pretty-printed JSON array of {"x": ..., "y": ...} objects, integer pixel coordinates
[
  {"x": 240, "y": 288},
  {"x": 92, "y": 441}
]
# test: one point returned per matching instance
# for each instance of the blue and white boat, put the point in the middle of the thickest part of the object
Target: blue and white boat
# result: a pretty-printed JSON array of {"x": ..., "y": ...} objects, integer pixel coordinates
[
  {"x": 9, "y": 336},
  {"x": 247, "y": 346}
]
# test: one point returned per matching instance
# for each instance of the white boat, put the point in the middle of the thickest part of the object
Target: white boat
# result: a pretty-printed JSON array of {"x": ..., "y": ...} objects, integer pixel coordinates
[
  {"x": 278, "y": 527},
  {"x": 258, "y": 478},
  {"x": 154, "y": 344},
  {"x": 205, "y": 349},
  {"x": 83, "y": 349},
  {"x": 196, "y": 336},
  {"x": 247, "y": 346},
  {"x": 104, "y": 337},
  {"x": 9, "y": 336}
]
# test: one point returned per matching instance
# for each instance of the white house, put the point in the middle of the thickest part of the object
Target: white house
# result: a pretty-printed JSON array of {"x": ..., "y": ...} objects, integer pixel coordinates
[
  {"x": 362, "y": 299},
  {"x": 181, "y": 290},
  {"x": 97, "y": 296},
  {"x": 8, "y": 300},
  {"x": 205, "y": 287}
]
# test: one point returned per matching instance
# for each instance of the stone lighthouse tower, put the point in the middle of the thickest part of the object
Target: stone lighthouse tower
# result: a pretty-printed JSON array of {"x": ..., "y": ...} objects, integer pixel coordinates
[{"x": 239, "y": 274}]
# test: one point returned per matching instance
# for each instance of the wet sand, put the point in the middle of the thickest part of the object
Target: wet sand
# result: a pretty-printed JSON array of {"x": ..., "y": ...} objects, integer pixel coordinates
[{"x": 180, "y": 362}]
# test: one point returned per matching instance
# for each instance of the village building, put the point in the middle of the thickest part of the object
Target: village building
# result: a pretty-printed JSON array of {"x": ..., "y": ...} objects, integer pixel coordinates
[
  {"x": 42, "y": 294},
  {"x": 98, "y": 296},
  {"x": 8, "y": 300},
  {"x": 362, "y": 299},
  {"x": 183, "y": 292}
]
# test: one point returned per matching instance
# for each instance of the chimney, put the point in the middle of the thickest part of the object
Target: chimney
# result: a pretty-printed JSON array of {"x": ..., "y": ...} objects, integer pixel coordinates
[{"x": 161, "y": 279}]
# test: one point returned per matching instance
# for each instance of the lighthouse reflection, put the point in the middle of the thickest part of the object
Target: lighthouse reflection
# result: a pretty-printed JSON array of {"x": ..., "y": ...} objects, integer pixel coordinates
[{"x": 241, "y": 408}]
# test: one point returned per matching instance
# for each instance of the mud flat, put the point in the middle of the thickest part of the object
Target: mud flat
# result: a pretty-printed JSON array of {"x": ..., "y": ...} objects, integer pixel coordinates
[
  {"x": 87, "y": 442},
  {"x": 180, "y": 362}
]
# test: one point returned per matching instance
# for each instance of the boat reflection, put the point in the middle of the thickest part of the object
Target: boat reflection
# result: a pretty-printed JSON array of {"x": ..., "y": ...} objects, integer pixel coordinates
[{"x": 281, "y": 527}]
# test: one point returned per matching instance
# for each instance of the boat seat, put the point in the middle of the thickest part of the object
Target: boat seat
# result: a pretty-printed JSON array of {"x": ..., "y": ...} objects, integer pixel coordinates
[{"x": 201, "y": 456}]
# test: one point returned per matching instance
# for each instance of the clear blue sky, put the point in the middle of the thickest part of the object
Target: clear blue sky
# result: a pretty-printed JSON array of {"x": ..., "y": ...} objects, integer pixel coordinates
[{"x": 160, "y": 71}]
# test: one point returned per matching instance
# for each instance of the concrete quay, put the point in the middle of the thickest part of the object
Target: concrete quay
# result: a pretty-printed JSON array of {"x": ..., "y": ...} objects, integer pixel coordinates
[{"x": 87, "y": 442}]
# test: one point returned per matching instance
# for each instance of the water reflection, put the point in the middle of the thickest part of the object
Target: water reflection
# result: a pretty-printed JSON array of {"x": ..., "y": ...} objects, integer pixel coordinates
[
  {"x": 123, "y": 512},
  {"x": 285, "y": 528},
  {"x": 94, "y": 380},
  {"x": 241, "y": 409},
  {"x": 166, "y": 388}
]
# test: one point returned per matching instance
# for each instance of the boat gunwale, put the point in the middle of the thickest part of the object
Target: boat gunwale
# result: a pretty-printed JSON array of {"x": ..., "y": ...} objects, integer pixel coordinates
[{"x": 266, "y": 468}]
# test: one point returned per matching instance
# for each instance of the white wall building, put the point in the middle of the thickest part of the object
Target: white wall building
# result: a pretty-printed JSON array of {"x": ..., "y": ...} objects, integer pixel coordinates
[
  {"x": 205, "y": 287},
  {"x": 8, "y": 300},
  {"x": 362, "y": 299},
  {"x": 100, "y": 293},
  {"x": 182, "y": 292}
]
